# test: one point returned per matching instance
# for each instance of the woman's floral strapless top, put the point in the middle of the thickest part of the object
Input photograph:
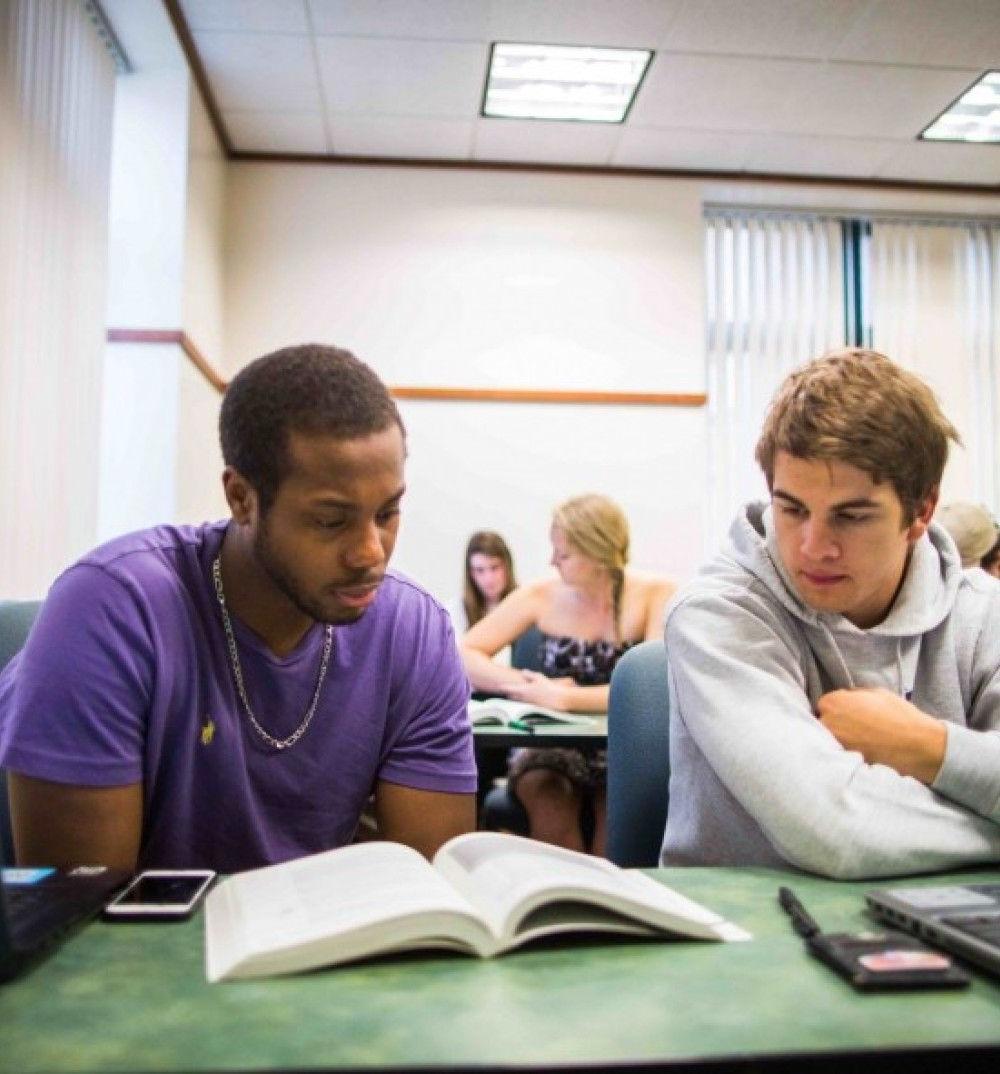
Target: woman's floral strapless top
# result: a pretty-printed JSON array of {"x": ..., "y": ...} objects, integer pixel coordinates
[{"x": 587, "y": 663}]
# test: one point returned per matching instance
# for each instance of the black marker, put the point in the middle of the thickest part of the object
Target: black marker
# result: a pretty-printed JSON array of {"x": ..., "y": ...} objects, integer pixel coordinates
[{"x": 801, "y": 921}]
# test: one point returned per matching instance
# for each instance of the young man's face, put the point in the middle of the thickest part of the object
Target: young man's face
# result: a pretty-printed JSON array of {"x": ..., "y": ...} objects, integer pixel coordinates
[
  {"x": 326, "y": 540},
  {"x": 841, "y": 536}
]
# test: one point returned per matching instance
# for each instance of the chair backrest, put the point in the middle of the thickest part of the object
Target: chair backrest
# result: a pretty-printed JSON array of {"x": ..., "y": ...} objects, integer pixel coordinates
[
  {"x": 638, "y": 756},
  {"x": 16, "y": 617},
  {"x": 526, "y": 650}
]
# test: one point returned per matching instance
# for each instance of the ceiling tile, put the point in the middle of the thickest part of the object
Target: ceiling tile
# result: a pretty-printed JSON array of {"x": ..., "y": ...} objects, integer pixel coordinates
[
  {"x": 792, "y": 155},
  {"x": 832, "y": 87},
  {"x": 956, "y": 33},
  {"x": 871, "y": 101},
  {"x": 622, "y": 23},
  {"x": 392, "y": 136},
  {"x": 644, "y": 147},
  {"x": 364, "y": 75},
  {"x": 440, "y": 19},
  {"x": 545, "y": 142},
  {"x": 276, "y": 132},
  {"x": 718, "y": 93},
  {"x": 791, "y": 28},
  {"x": 944, "y": 163},
  {"x": 278, "y": 16},
  {"x": 260, "y": 72}
]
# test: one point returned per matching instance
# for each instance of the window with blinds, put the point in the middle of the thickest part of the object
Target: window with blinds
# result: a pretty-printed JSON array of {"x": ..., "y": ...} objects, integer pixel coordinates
[{"x": 782, "y": 288}]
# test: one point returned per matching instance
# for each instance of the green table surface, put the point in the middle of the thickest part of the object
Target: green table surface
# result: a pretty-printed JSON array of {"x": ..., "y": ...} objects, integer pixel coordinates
[{"x": 119, "y": 997}]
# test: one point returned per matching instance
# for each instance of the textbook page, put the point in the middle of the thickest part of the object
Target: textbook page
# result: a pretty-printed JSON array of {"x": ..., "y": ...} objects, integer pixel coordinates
[
  {"x": 332, "y": 907},
  {"x": 510, "y": 879},
  {"x": 502, "y": 710}
]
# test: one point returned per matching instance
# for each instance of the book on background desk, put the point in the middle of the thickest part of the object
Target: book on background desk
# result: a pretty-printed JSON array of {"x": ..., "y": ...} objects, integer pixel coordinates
[
  {"x": 502, "y": 711},
  {"x": 483, "y": 894}
]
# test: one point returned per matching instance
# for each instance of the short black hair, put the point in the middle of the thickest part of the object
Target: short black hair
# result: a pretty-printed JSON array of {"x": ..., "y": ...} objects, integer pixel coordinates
[{"x": 310, "y": 389}]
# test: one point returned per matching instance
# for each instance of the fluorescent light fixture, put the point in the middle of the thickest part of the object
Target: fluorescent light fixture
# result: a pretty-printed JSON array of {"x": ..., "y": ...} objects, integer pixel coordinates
[
  {"x": 974, "y": 117},
  {"x": 591, "y": 85}
]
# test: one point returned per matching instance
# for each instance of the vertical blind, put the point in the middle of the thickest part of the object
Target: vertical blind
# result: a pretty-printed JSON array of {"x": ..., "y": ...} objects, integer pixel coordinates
[
  {"x": 775, "y": 298},
  {"x": 981, "y": 270},
  {"x": 57, "y": 84},
  {"x": 935, "y": 309}
]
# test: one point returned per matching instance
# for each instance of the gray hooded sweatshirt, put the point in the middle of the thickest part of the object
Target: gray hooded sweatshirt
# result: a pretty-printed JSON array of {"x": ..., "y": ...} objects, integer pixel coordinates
[{"x": 757, "y": 780}]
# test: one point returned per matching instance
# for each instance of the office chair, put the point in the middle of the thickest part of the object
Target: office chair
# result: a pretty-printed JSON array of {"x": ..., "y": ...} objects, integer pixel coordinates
[
  {"x": 526, "y": 650},
  {"x": 638, "y": 756},
  {"x": 16, "y": 617}
]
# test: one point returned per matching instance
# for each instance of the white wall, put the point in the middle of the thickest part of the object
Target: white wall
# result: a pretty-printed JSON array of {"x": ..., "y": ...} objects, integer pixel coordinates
[
  {"x": 159, "y": 453},
  {"x": 494, "y": 279},
  {"x": 199, "y": 459},
  {"x": 148, "y": 189}
]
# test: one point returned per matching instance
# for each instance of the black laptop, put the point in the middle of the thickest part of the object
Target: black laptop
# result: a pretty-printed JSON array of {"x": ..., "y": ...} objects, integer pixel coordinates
[
  {"x": 961, "y": 918},
  {"x": 38, "y": 907}
]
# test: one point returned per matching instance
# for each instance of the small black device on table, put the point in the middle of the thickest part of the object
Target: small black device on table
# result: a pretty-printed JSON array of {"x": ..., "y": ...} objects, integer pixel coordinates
[{"x": 874, "y": 961}]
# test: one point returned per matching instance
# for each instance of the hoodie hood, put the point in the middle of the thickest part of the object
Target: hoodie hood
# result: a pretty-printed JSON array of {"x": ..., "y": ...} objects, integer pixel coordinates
[{"x": 886, "y": 653}]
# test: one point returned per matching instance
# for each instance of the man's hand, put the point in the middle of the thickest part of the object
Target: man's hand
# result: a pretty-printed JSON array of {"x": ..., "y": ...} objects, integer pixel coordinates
[
  {"x": 885, "y": 729},
  {"x": 538, "y": 689}
]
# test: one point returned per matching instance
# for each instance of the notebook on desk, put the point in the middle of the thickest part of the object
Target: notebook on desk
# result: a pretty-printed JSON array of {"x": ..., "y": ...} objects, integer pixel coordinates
[
  {"x": 38, "y": 907},
  {"x": 964, "y": 920}
]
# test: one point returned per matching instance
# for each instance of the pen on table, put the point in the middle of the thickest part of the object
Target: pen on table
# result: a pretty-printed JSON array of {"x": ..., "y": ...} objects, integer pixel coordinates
[
  {"x": 801, "y": 921},
  {"x": 521, "y": 726}
]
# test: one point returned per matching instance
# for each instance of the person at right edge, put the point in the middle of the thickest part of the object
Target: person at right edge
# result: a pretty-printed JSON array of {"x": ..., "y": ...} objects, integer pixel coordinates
[{"x": 834, "y": 683}]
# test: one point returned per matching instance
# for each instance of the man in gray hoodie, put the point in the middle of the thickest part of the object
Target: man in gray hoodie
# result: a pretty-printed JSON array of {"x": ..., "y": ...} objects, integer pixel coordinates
[{"x": 834, "y": 674}]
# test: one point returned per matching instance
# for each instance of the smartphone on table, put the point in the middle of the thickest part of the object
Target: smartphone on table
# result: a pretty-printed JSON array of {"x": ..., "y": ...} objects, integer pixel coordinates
[{"x": 160, "y": 895}]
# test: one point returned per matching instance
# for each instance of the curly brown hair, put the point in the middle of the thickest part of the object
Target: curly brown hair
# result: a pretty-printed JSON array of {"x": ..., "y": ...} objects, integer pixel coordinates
[
  {"x": 859, "y": 407},
  {"x": 311, "y": 389}
]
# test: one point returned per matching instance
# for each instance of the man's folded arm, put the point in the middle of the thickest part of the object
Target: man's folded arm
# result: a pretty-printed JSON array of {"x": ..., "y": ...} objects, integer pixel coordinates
[
  {"x": 740, "y": 689},
  {"x": 970, "y": 773}
]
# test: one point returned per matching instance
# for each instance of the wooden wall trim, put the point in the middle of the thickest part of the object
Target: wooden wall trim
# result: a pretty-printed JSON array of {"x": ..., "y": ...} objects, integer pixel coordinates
[
  {"x": 743, "y": 178},
  {"x": 171, "y": 335},
  {"x": 473, "y": 395},
  {"x": 197, "y": 69},
  {"x": 531, "y": 395}
]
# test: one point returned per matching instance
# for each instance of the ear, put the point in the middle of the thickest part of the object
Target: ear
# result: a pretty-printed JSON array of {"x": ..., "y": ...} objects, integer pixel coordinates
[
  {"x": 922, "y": 519},
  {"x": 240, "y": 495}
]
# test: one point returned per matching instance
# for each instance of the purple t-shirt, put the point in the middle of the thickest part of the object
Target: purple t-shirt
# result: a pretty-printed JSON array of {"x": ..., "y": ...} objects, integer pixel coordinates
[{"x": 126, "y": 678}]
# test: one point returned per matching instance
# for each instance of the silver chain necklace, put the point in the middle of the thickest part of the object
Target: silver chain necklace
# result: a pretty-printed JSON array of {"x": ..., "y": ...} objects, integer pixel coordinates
[{"x": 234, "y": 656}]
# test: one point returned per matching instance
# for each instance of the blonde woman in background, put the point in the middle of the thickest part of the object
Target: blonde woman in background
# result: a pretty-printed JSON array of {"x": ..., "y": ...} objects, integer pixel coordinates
[{"x": 588, "y": 616}]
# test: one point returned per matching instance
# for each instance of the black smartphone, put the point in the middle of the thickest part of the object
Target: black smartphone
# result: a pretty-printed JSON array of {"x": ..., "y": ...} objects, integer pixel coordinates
[
  {"x": 160, "y": 895},
  {"x": 875, "y": 961}
]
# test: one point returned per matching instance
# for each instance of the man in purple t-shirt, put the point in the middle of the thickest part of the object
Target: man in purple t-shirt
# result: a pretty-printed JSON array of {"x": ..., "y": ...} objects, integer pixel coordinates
[{"x": 230, "y": 695}]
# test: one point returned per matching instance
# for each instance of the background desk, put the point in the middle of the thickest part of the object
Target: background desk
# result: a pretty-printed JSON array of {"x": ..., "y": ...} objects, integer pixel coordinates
[
  {"x": 134, "y": 997},
  {"x": 492, "y": 742}
]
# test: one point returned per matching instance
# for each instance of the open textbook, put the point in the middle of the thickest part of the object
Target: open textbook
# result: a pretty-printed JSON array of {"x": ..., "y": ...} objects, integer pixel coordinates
[
  {"x": 501, "y": 710},
  {"x": 484, "y": 894}
]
